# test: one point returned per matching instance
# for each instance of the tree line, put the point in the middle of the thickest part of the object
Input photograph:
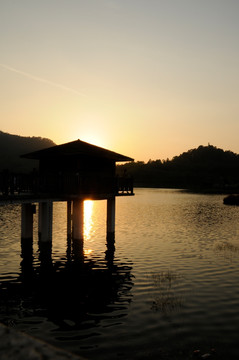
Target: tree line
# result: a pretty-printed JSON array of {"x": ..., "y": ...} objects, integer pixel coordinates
[{"x": 206, "y": 168}]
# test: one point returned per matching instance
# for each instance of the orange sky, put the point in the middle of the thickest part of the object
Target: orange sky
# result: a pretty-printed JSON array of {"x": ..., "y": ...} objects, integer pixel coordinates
[{"x": 149, "y": 79}]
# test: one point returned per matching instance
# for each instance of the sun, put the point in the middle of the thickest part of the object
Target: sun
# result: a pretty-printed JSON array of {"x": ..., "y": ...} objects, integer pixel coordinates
[
  {"x": 91, "y": 129},
  {"x": 93, "y": 139}
]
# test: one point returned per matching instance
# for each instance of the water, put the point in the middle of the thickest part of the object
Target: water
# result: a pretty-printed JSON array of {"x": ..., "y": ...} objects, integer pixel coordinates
[{"x": 169, "y": 288}]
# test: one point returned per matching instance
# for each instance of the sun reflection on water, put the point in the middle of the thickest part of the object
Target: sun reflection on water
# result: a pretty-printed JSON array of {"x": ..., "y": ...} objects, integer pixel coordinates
[
  {"x": 88, "y": 222},
  {"x": 87, "y": 251}
]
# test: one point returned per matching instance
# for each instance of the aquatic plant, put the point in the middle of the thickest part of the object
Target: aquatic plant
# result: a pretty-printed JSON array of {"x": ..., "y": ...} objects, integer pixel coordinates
[
  {"x": 165, "y": 277},
  {"x": 227, "y": 246},
  {"x": 167, "y": 302},
  {"x": 165, "y": 298},
  {"x": 228, "y": 250}
]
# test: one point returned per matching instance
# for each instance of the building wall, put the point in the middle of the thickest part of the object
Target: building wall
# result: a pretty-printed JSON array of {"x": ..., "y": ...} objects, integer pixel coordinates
[{"x": 74, "y": 175}]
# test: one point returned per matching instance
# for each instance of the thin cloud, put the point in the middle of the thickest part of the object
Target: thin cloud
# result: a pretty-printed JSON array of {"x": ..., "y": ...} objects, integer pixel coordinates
[{"x": 39, "y": 79}]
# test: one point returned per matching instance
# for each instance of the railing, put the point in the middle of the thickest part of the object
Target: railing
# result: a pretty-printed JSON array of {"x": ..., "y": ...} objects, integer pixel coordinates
[
  {"x": 13, "y": 184},
  {"x": 63, "y": 184},
  {"x": 124, "y": 185}
]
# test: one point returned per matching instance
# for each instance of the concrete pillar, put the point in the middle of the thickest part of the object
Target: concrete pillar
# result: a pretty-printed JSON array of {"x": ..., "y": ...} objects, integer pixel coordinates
[
  {"x": 78, "y": 219},
  {"x": 69, "y": 219},
  {"x": 45, "y": 221},
  {"x": 111, "y": 218},
  {"x": 27, "y": 221}
]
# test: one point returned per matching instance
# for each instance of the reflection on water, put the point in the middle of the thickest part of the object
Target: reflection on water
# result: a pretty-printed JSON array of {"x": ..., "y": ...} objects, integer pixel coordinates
[
  {"x": 75, "y": 294},
  {"x": 88, "y": 223},
  {"x": 63, "y": 297},
  {"x": 168, "y": 285}
]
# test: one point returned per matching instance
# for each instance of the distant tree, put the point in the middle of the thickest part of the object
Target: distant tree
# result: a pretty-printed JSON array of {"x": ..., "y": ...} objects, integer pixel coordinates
[{"x": 205, "y": 168}]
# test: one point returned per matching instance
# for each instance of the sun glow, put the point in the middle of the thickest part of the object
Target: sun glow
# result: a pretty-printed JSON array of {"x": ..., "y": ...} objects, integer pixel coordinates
[
  {"x": 93, "y": 139},
  {"x": 91, "y": 131}
]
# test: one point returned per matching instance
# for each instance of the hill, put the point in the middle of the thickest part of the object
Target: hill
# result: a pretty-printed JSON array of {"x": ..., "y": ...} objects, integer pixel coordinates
[
  {"x": 12, "y": 146},
  {"x": 206, "y": 168}
]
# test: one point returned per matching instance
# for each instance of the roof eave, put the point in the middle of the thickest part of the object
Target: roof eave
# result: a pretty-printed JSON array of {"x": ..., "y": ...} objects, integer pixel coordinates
[{"x": 51, "y": 152}]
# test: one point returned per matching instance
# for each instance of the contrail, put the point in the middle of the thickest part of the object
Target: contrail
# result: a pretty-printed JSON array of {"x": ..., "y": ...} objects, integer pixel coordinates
[{"x": 39, "y": 79}]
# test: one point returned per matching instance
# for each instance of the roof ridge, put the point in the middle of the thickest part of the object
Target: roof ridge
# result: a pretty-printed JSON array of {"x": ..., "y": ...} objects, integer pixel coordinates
[{"x": 83, "y": 149}]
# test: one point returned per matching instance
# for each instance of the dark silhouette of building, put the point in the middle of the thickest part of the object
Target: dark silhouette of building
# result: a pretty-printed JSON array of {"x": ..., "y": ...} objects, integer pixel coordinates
[
  {"x": 73, "y": 172},
  {"x": 79, "y": 169}
]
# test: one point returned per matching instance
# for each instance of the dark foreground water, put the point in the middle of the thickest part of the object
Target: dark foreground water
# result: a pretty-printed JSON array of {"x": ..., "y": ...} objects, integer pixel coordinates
[{"x": 170, "y": 287}]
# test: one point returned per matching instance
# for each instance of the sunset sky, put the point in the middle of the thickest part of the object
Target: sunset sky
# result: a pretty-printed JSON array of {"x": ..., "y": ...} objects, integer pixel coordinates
[{"x": 146, "y": 78}]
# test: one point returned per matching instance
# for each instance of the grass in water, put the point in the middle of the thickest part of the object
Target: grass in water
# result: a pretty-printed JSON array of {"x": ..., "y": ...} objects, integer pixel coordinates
[
  {"x": 227, "y": 249},
  {"x": 165, "y": 298},
  {"x": 165, "y": 277}
]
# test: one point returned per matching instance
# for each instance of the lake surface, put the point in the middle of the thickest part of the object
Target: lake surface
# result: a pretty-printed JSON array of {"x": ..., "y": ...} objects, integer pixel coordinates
[{"x": 169, "y": 288}]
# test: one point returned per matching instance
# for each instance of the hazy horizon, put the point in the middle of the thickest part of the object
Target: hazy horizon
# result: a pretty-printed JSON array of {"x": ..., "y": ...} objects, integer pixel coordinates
[{"x": 147, "y": 160}]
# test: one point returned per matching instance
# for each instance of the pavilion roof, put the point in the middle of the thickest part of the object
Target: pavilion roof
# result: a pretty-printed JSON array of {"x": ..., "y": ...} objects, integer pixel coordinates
[{"x": 76, "y": 148}]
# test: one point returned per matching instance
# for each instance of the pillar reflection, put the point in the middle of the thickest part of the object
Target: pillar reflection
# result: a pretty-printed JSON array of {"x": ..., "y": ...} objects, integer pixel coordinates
[
  {"x": 109, "y": 253},
  {"x": 45, "y": 256},
  {"x": 78, "y": 251},
  {"x": 27, "y": 260},
  {"x": 68, "y": 249}
]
